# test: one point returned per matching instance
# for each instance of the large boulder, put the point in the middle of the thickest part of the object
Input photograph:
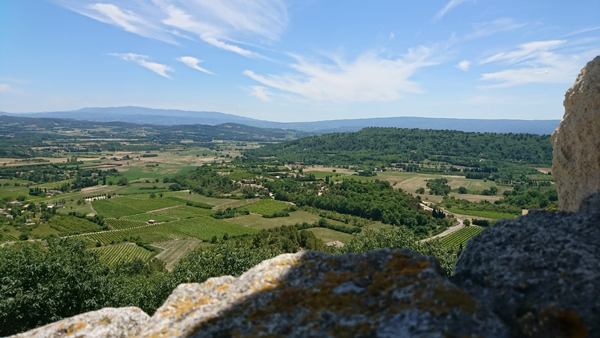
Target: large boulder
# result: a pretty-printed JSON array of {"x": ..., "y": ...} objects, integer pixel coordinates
[
  {"x": 105, "y": 323},
  {"x": 576, "y": 141},
  {"x": 540, "y": 273},
  {"x": 382, "y": 293}
]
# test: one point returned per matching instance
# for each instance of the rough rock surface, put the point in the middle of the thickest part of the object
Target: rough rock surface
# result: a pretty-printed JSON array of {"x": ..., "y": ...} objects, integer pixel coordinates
[
  {"x": 105, "y": 323},
  {"x": 576, "y": 141},
  {"x": 540, "y": 272},
  {"x": 382, "y": 293}
]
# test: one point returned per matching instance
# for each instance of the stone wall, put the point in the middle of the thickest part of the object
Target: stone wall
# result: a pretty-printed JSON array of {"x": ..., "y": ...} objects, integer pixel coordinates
[{"x": 576, "y": 141}]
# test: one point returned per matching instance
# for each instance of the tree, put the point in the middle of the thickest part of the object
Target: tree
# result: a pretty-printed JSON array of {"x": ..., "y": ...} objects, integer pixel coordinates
[
  {"x": 123, "y": 181},
  {"x": 462, "y": 190},
  {"x": 66, "y": 278},
  {"x": 175, "y": 187},
  {"x": 421, "y": 190},
  {"x": 152, "y": 195},
  {"x": 466, "y": 222}
]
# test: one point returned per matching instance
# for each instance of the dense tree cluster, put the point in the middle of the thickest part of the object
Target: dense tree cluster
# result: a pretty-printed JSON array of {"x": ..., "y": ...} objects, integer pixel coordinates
[
  {"x": 40, "y": 285},
  {"x": 206, "y": 181},
  {"x": 377, "y": 201},
  {"x": 394, "y": 145},
  {"x": 438, "y": 186}
]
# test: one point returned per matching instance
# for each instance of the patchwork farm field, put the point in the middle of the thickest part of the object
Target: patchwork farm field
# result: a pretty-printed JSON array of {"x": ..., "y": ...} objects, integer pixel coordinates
[
  {"x": 205, "y": 227},
  {"x": 183, "y": 211},
  {"x": 256, "y": 221},
  {"x": 266, "y": 207},
  {"x": 328, "y": 235},
  {"x": 145, "y": 203},
  {"x": 460, "y": 237},
  {"x": 67, "y": 225},
  {"x": 107, "y": 208},
  {"x": 484, "y": 214},
  {"x": 204, "y": 199},
  {"x": 147, "y": 234},
  {"x": 148, "y": 216},
  {"x": 175, "y": 250},
  {"x": 122, "y": 253},
  {"x": 7, "y": 238},
  {"x": 119, "y": 224}
]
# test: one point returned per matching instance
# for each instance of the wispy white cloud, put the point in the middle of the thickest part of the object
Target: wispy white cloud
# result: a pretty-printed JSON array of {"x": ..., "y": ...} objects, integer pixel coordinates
[
  {"x": 537, "y": 62},
  {"x": 137, "y": 18},
  {"x": 464, "y": 65},
  {"x": 193, "y": 63},
  {"x": 218, "y": 23},
  {"x": 581, "y": 31},
  {"x": 5, "y": 88},
  {"x": 449, "y": 6},
  {"x": 482, "y": 29},
  {"x": 13, "y": 80},
  {"x": 369, "y": 78},
  {"x": 262, "y": 93},
  {"x": 158, "y": 68}
]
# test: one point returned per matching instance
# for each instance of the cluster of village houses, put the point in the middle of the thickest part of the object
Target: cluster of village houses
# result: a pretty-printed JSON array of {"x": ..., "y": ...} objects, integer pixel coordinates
[{"x": 6, "y": 212}]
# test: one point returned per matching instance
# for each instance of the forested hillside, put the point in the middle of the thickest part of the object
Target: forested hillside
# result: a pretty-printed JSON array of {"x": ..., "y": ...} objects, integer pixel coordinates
[{"x": 394, "y": 145}]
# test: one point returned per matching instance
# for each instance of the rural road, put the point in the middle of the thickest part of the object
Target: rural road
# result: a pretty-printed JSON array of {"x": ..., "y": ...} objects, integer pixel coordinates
[{"x": 448, "y": 231}]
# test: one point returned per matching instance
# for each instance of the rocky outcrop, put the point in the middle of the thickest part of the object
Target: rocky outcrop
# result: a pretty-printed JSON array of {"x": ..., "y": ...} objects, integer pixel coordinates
[
  {"x": 576, "y": 141},
  {"x": 540, "y": 273},
  {"x": 106, "y": 323},
  {"x": 382, "y": 293}
]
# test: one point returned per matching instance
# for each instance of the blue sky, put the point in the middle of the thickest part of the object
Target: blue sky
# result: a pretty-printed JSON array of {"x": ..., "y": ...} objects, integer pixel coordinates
[{"x": 297, "y": 60}]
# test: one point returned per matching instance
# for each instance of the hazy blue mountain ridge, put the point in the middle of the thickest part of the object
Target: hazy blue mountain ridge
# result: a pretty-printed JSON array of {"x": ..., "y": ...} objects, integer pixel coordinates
[{"x": 168, "y": 117}]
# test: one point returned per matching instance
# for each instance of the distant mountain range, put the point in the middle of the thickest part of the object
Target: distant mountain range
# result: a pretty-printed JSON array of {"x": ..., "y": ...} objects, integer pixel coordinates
[{"x": 142, "y": 115}]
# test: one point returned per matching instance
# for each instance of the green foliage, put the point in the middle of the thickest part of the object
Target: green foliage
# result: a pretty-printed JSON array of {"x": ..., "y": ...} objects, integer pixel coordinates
[
  {"x": 486, "y": 214},
  {"x": 145, "y": 204},
  {"x": 183, "y": 211},
  {"x": 107, "y": 208},
  {"x": 481, "y": 222},
  {"x": 39, "y": 286},
  {"x": 229, "y": 213},
  {"x": 191, "y": 203},
  {"x": 438, "y": 186},
  {"x": 123, "y": 181},
  {"x": 124, "y": 223},
  {"x": 269, "y": 208},
  {"x": 122, "y": 253},
  {"x": 371, "y": 146},
  {"x": 146, "y": 234},
  {"x": 401, "y": 238},
  {"x": 377, "y": 201},
  {"x": 287, "y": 239},
  {"x": 70, "y": 225},
  {"x": 205, "y": 181},
  {"x": 145, "y": 218},
  {"x": 466, "y": 222},
  {"x": 459, "y": 238},
  {"x": 203, "y": 227}
]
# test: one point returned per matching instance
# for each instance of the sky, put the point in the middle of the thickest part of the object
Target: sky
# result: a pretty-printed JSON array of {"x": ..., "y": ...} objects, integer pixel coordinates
[{"x": 303, "y": 60}]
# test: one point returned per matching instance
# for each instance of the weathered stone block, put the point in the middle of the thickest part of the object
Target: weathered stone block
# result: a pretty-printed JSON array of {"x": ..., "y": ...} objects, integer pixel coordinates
[
  {"x": 576, "y": 141},
  {"x": 540, "y": 272},
  {"x": 105, "y": 323},
  {"x": 382, "y": 293}
]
